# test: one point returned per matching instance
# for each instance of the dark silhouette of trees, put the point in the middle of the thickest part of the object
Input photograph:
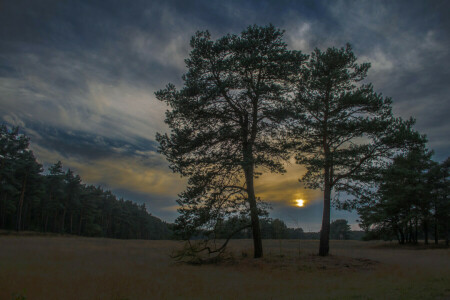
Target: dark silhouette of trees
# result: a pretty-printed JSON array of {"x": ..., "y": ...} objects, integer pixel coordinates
[
  {"x": 412, "y": 195},
  {"x": 340, "y": 230},
  {"x": 225, "y": 123},
  {"x": 345, "y": 131},
  {"x": 438, "y": 180},
  {"x": 270, "y": 229},
  {"x": 59, "y": 202}
]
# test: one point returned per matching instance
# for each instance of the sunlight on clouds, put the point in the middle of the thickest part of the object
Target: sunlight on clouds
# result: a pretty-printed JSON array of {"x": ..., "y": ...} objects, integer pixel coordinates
[
  {"x": 285, "y": 188},
  {"x": 152, "y": 47},
  {"x": 172, "y": 208},
  {"x": 379, "y": 61},
  {"x": 87, "y": 100},
  {"x": 13, "y": 120},
  {"x": 299, "y": 36},
  {"x": 127, "y": 173},
  {"x": 135, "y": 174},
  {"x": 170, "y": 54},
  {"x": 125, "y": 111},
  {"x": 132, "y": 175}
]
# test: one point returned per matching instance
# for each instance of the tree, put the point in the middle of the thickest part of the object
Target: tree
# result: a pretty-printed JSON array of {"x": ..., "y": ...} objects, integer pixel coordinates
[
  {"x": 404, "y": 199},
  {"x": 12, "y": 147},
  {"x": 438, "y": 179},
  {"x": 55, "y": 193},
  {"x": 344, "y": 130},
  {"x": 12, "y": 144},
  {"x": 340, "y": 230},
  {"x": 18, "y": 170},
  {"x": 72, "y": 201},
  {"x": 26, "y": 173},
  {"x": 225, "y": 123}
]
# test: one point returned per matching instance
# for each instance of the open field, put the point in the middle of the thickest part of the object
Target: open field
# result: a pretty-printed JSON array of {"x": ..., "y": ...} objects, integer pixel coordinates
[{"x": 89, "y": 268}]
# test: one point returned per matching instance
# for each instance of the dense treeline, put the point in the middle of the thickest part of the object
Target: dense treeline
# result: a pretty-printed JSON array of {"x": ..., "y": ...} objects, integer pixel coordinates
[
  {"x": 277, "y": 229},
  {"x": 270, "y": 229},
  {"x": 58, "y": 201},
  {"x": 411, "y": 202}
]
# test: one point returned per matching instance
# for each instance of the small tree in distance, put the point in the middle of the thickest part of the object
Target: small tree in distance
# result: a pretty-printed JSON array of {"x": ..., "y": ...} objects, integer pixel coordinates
[
  {"x": 340, "y": 230},
  {"x": 225, "y": 123},
  {"x": 344, "y": 132}
]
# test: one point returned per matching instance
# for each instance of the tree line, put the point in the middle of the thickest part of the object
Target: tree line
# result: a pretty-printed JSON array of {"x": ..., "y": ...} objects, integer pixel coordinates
[
  {"x": 58, "y": 201},
  {"x": 248, "y": 104},
  {"x": 277, "y": 229},
  {"x": 411, "y": 201}
]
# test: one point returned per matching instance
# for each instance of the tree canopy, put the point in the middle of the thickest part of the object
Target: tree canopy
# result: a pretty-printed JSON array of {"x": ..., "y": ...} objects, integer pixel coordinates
[
  {"x": 344, "y": 131},
  {"x": 225, "y": 123}
]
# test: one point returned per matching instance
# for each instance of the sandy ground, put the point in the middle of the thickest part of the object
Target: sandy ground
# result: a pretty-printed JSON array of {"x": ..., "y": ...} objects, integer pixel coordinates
[{"x": 89, "y": 268}]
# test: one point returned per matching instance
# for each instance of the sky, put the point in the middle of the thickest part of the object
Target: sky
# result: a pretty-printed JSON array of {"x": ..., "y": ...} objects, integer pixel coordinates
[{"x": 79, "y": 79}]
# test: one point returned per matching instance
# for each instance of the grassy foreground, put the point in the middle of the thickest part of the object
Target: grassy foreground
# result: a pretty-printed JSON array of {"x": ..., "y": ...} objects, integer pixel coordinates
[{"x": 89, "y": 268}]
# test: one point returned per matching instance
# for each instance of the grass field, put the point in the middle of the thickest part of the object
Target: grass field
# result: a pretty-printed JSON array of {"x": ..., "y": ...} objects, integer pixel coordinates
[{"x": 90, "y": 268}]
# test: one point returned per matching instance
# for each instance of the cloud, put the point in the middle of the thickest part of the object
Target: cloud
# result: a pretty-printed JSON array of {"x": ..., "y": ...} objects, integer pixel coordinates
[{"x": 131, "y": 174}]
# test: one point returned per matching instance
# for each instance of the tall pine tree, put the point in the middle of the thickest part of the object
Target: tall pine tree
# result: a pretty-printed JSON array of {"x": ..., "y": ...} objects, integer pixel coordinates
[
  {"x": 344, "y": 130},
  {"x": 225, "y": 123}
]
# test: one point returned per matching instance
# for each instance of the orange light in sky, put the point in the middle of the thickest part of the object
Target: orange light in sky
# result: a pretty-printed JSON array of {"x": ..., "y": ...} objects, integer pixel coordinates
[{"x": 300, "y": 202}]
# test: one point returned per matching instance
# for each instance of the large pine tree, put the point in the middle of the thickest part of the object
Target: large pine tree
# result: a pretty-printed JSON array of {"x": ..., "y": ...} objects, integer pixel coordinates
[
  {"x": 344, "y": 130},
  {"x": 225, "y": 123}
]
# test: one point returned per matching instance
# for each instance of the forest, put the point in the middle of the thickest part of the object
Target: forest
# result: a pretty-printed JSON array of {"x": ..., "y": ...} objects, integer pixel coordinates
[{"x": 57, "y": 201}]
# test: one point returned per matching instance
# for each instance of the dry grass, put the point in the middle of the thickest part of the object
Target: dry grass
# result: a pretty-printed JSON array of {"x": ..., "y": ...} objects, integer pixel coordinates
[{"x": 85, "y": 268}]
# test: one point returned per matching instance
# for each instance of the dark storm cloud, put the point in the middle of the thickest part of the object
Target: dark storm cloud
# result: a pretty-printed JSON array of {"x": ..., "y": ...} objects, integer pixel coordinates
[
  {"x": 80, "y": 76},
  {"x": 87, "y": 146}
]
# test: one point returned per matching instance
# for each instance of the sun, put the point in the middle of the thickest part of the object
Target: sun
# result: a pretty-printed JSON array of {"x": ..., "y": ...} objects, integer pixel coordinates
[{"x": 300, "y": 202}]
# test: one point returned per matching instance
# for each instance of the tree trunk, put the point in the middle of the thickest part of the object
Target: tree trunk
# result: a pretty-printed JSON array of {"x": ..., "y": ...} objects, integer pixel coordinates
[
  {"x": 410, "y": 232},
  {"x": 257, "y": 241},
  {"x": 436, "y": 234},
  {"x": 402, "y": 237},
  {"x": 447, "y": 234},
  {"x": 2, "y": 165},
  {"x": 22, "y": 196},
  {"x": 71, "y": 222},
  {"x": 416, "y": 231},
  {"x": 324, "y": 247},
  {"x": 425, "y": 231},
  {"x": 42, "y": 220},
  {"x": 63, "y": 220},
  {"x": 55, "y": 222},
  {"x": 397, "y": 234},
  {"x": 4, "y": 211},
  {"x": 79, "y": 224}
]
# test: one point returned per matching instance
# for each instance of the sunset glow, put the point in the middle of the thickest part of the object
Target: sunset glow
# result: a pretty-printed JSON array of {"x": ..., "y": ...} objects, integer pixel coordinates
[{"x": 300, "y": 202}]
